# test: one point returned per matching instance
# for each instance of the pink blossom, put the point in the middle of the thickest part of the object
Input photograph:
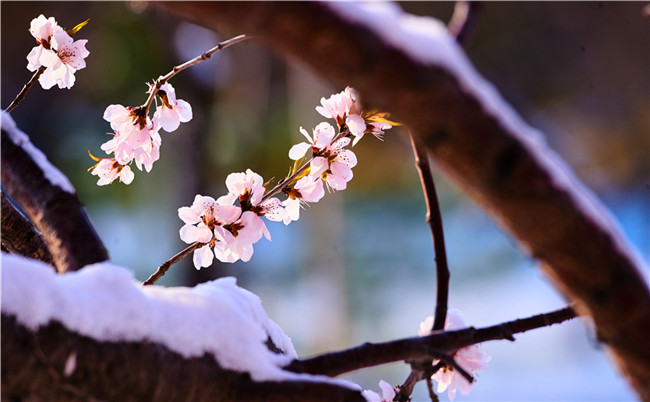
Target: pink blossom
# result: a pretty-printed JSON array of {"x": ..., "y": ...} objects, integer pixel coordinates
[
  {"x": 387, "y": 393},
  {"x": 335, "y": 166},
  {"x": 109, "y": 169},
  {"x": 377, "y": 128},
  {"x": 56, "y": 50},
  {"x": 201, "y": 219},
  {"x": 172, "y": 112},
  {"x": 236, "y": 240},
  {"x": 249, "y": 189},
  {"x": 135, "y": 126},
  {"x": 307, "y": 189},
  {"x": 42, "y": 30},
  {"x": 62, "y": 64},
  {"x": 345, "y": 108},
  {"x": 324, "y": 133},
  {"x": 471, "y": 358}
]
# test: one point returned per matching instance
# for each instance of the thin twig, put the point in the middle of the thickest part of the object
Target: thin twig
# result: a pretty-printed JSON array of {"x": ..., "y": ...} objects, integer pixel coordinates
[
  {"x": 26, "y": 87},
  {"x": 434, "y": 219},
  {"x": 281, "y": 185},
  {"x": 460, "y": 25},
  {"x": 177, "y": 69},
  {"x": 432, "y": 395},
  {"x": 164, "y": 267}
]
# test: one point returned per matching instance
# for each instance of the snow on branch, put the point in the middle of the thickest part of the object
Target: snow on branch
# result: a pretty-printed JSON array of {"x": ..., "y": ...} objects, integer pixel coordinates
[
  {"x": 101, "y": 310},
  {"x": 48, "y": 198},
  {"x": 411, "y": 67}
]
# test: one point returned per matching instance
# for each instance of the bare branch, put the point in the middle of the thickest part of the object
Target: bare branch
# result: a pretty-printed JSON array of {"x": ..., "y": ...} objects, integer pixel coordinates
[
  {"x": 434, "y": 220},
  {"x": 164, "y": 267},
  {"x": 413, "y": 349},
  {"x": 26, "y": 88}
]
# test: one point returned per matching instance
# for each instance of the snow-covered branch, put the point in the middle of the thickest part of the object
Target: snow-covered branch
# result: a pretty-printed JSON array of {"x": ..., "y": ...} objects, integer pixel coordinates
[
  {"x": 48, "y": 198},
  {"x": 19, "y": 235},
  {"x": 108, "y": 338},
  {"x": 411, "y": 67}
]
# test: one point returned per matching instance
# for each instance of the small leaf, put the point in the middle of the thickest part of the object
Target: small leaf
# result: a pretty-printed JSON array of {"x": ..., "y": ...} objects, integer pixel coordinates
[
  {"x": 77, "y": 27},
  {"x": 96, "y": 159},
  {"x": 381, "y": 118}
]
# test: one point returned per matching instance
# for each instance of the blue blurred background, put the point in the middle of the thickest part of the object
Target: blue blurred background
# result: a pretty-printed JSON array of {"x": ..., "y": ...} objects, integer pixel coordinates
[{"x": 358, "y": 266}]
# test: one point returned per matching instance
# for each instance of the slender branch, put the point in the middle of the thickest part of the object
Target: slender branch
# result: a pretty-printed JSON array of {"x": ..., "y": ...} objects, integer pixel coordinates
[
  {"x": 461, "y": 22},
  {"x": 177, "y": 69},
  {"x": 281, "y": 185},
  {"x": 26, "y": 88},
  {"x": 419, "y": 348},
  {"x": 434, "y": 219},
  {"x": 164, "y": 267}
]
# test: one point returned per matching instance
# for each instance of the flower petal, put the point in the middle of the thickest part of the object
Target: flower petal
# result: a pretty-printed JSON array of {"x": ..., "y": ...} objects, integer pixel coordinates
[{"x": 298, "y": 151}]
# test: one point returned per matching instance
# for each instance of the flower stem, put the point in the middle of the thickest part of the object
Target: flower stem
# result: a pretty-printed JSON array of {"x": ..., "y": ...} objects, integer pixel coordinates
[
  {"x": 177, "y": 69},
  {"x": 164, "y": 267},
  {"x": 284, "y": 183},
  {"x": 26, "y": 87}
]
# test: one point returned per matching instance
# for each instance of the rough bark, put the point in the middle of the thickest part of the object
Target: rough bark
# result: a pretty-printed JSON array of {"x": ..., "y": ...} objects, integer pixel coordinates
[
  {"x": 19, "y": 235},
  {"x": 33, "y": 368},
  {"x": 471, "y": 146},
  {"x": 57, "y": 214}
]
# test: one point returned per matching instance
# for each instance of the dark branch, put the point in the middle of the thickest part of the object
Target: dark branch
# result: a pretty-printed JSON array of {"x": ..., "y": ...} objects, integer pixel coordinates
[
  {"x": 33, "y": 368},
  {"x": 164, "y": 267},
  {"x": 462, "y": 21},
  {"x": 26, "y": 88},
  {"x": 19, "y": 235},
  {"x": 419, "y": 348},
  {"x": 434, "y": 220},
  {"x": 56, "y": 213}
]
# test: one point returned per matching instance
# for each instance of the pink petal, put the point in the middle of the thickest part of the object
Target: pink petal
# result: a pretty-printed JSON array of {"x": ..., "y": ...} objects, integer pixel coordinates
[{"x": 298, "y": 151}]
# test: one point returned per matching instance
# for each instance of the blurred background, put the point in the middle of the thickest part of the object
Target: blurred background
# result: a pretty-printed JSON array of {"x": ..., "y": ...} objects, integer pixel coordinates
[{"x": 358, "y": 266}]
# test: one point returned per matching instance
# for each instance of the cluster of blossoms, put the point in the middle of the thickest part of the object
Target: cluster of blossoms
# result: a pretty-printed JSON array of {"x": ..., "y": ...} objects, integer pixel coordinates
[
  {"x": 470, "y": 358},
  {"x": 227, "y": 227},
  {"x": 136, "y": 138},
  {"x": 57, "y": 52}
]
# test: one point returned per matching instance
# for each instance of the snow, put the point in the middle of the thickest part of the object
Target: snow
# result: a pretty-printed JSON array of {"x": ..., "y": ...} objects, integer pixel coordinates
[
  {"x": 427, "y": 41},
  {"x": 105, "y": 302},
  {"x": 51, "y": 173}
]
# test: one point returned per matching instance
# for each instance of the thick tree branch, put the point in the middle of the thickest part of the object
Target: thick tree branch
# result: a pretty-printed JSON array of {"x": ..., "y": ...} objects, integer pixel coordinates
[
  {"x": 33, "y": 365},
  {"x": 19, "y": 235},
  {"x": 56, "y": 212},
  {"x": 523, "y": 187}
]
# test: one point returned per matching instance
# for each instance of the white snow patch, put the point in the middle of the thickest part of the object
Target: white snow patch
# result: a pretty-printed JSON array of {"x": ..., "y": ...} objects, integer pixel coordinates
[
  {"x": 428, "y": 41},
  {"x": 104, "y": 302},
  {"x": 51, "y": 173}
]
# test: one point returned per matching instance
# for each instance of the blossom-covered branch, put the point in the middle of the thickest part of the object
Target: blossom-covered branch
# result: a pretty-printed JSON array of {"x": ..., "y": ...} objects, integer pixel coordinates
[
  {"x": 135, "y": 136},
  {"x": 227, "y": 227}
]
